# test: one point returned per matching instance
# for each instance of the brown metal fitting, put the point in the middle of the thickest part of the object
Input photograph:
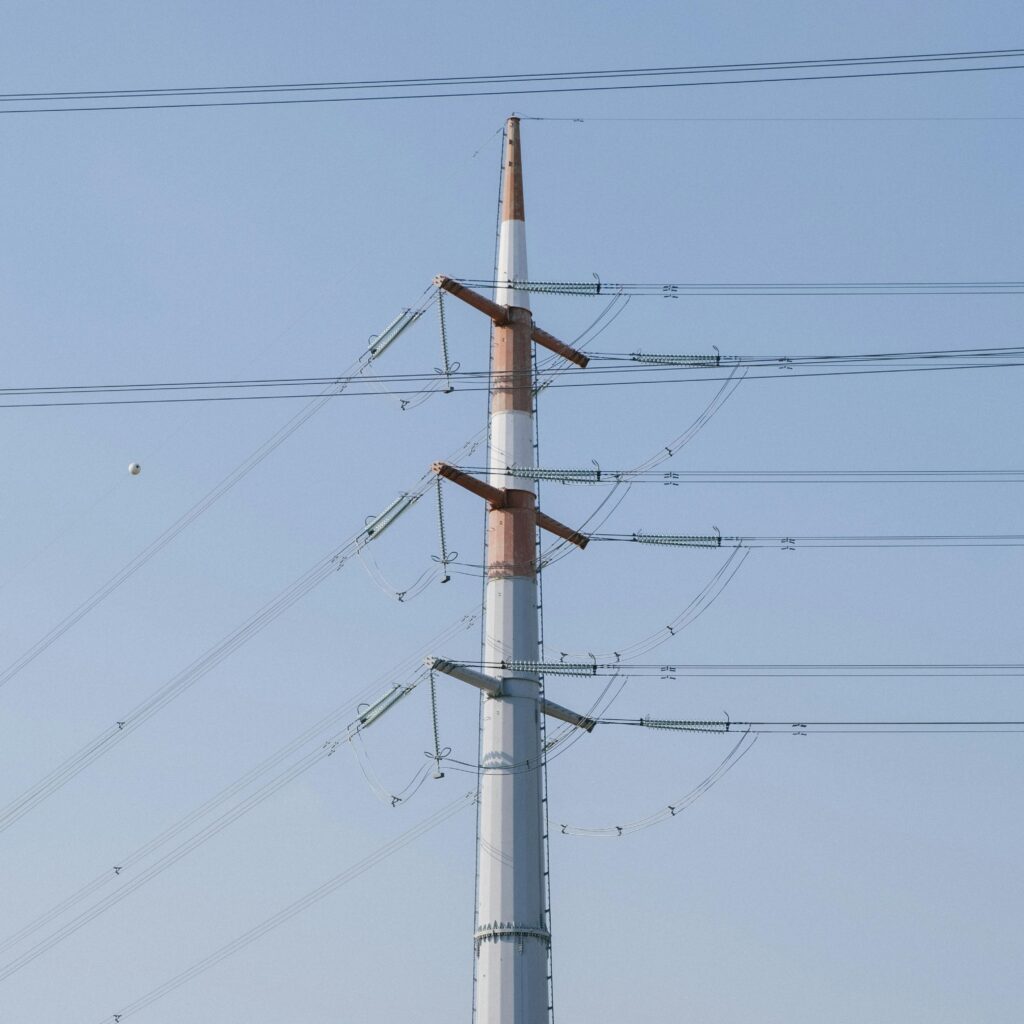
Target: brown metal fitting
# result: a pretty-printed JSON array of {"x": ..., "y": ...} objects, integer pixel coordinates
[
  {"x": 495, "y": 496},
  {"x": 500, "y": 317},
  {"x": 498, "y": 314},
  {"x": 505, "y": 498},
  {"x": 545, "y": 522},
  {"x": 552, "y": 344}
]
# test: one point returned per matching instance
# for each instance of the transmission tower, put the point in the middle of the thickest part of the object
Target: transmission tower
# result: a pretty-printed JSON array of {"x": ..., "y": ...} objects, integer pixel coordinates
[{"x": 512, "y": 939}]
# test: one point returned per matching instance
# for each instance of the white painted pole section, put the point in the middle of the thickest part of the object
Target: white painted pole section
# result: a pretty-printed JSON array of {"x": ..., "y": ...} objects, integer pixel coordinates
[
  {"x": 511, "y": 937},
  {"x": 512, "y": 263},
  {"x": 511, "y": 432}
]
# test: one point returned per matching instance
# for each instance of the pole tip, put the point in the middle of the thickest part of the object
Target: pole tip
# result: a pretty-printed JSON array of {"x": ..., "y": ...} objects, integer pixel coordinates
[{"x": 513, "y": 206}]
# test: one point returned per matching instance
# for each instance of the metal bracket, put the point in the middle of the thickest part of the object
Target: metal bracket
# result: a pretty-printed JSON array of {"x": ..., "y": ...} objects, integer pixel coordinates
[
  {"x": 498, "y": 498},
  {"x": 499, "y": 317},
  {"x": 509, "y": 930},
  {"x": 492, "y": 686}
]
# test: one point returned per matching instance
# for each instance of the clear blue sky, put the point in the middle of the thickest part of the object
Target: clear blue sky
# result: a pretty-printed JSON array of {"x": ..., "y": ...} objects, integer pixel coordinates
[{"x": 827, "y": 878}]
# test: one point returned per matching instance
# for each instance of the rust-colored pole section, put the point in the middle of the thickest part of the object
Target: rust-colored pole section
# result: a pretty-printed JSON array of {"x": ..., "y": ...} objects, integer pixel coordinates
[{"x": 511, "y": 538}]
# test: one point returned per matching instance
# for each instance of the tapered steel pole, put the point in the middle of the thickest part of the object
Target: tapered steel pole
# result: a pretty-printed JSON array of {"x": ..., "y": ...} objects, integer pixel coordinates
[{"x": 512, "y": 938}]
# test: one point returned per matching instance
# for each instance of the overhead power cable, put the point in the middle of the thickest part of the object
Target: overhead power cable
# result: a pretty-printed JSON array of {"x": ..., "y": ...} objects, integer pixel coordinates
[
  {"x": 743, "y": 745},
  {"x": 80, "y": 760},
  {"x": 696, "y": 607},
  {"x": 787, "y": 362},
  {"x": 666, "y": 361},
  {"x": 607, "y": 370},
  {"x": 680, "y": 289},
  {"x": 678, "y": 477},
  {"x": 323, "y": 744},
  {"x": 412, "y": 83},
  {"x": 748, "y": 734},
  {"x": 758, "y": 119},
  {"x": 151, "y": 705},
  {"x": 330, "y": 388},
  {"x": 680, "y": 670},
  {"x": 538, "y": 83},
  {"x": 714, "y": 540},
  {"x": 186, "y": 846},
  {"x": 801, "y": 726},
  {"x": 192, "y": 842},
  {"x": 288, "y": 912}
]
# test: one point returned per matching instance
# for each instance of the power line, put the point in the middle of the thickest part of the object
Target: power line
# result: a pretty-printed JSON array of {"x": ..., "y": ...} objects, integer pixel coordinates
[
  {"x": 794, "y": 542},
  {"x": 678, "y": 477},
  {"x": 716, "y": 359},
  {"x": 453, "y": 87},
  {"x": 151, "y": 705},
  {"x": 232, "y": 813},
  {"x": 183, "y": 979},
  {"x": 657, "y": 120},
  {"x": 323, "y": 743},
  {"x": 743, "y": 745},
  {"x": 331, "y": 387},
  {"x": 880, "y": 727},
  {"x": 675, "y": 289},
  {"x": 285, "y": 914},
  {"x": 80, "y": 760},
  {"x": 637, "y": 72},
  {"x": 581, "y": 383},
  {"x": 661, "y": 361},
  {"x": 626, "y": 376},
  {"x": 677, "y": 670}
]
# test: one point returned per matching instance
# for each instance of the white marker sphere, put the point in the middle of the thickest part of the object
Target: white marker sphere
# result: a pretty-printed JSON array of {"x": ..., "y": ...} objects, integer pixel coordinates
[{"x": 134, "y": 468}]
